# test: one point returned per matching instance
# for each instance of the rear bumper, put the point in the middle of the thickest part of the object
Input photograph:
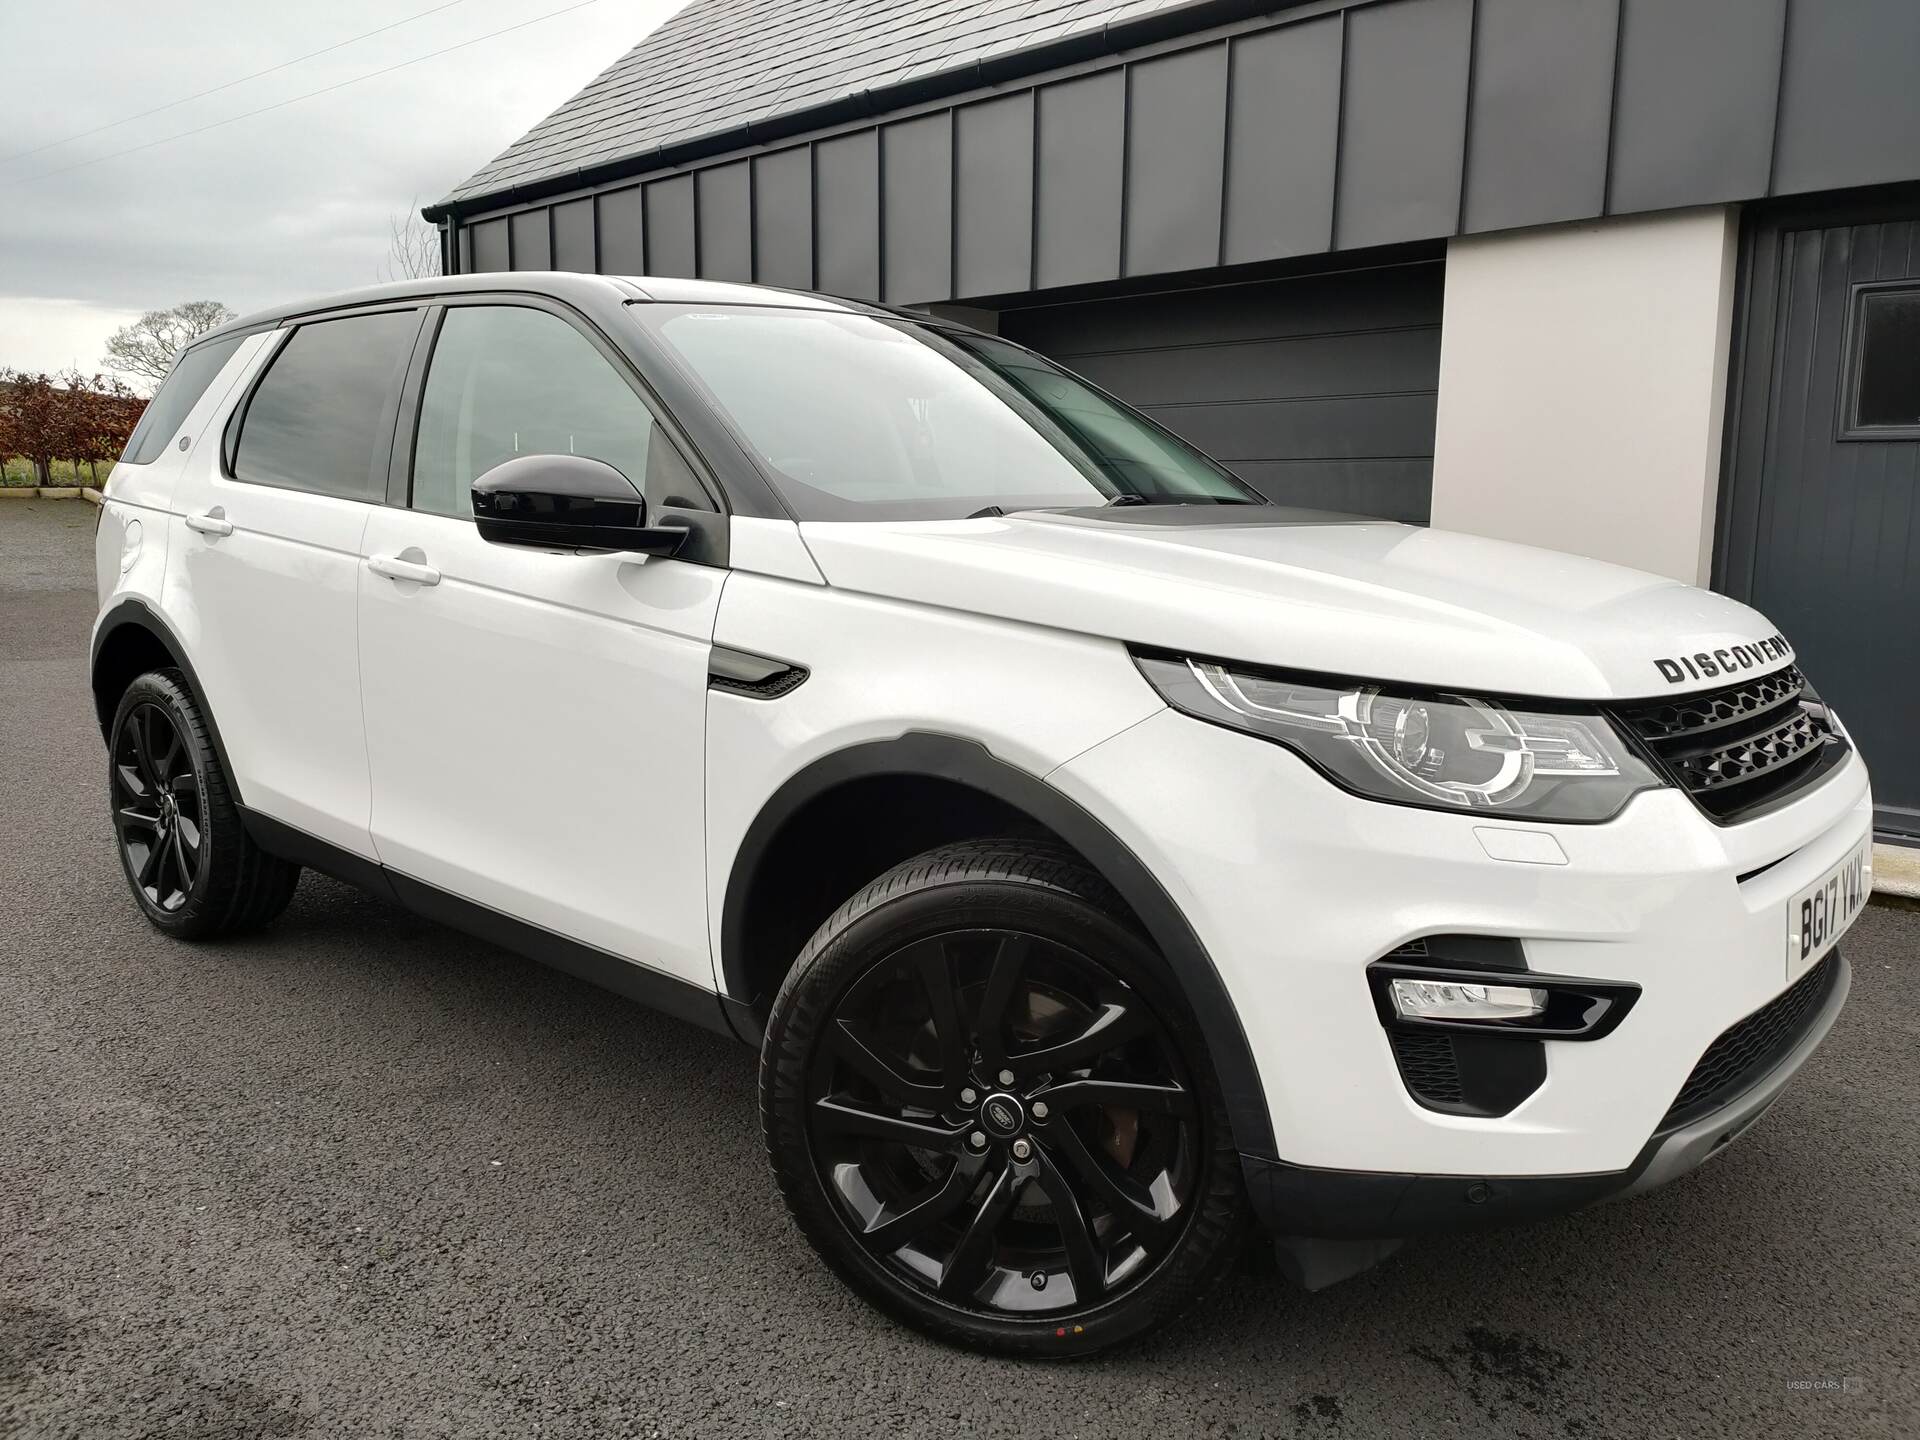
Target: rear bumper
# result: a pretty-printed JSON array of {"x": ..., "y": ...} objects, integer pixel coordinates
[{"x": 1299, "y": 1200}]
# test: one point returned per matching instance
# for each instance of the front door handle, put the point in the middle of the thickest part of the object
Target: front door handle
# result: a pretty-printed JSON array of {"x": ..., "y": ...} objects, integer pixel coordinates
[
  {"x": 400, "y": 567},
  {"x": 211, "y": 522}
]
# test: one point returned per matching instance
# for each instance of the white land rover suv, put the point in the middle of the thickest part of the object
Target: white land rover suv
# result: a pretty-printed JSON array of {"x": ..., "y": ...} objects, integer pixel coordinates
[{"x": 1098, "y": 856}]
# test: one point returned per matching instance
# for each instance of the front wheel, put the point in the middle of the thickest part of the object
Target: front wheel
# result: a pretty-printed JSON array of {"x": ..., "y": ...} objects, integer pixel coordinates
[{"x": 990, "y": 1114}]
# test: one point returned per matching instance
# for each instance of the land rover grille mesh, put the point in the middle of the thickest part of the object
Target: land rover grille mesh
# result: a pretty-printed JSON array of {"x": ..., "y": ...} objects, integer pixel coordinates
[{"x": 1742, "y": 747}]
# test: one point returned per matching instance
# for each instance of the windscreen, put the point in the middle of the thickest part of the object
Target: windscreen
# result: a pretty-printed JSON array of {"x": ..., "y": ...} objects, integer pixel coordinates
[{"x": 856, "y": 417}]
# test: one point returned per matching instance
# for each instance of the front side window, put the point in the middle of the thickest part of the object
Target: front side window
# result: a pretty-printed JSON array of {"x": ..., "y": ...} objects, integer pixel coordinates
[
  {"x": 176, "y": 397},
  {"x": 508, "y": 381},
  {"x": 856, "y": 417},
  {"x": 322, "y": 417}
]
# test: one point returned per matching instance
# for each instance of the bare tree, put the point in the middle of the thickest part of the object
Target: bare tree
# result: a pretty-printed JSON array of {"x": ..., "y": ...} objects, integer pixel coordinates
[
  {"x": 146, "y": 348},
  {"x": 413, "y": 247}
]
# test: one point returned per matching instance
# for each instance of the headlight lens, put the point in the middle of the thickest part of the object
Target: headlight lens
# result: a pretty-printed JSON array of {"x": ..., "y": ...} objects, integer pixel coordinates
[{"x": 1448, "y": 752}]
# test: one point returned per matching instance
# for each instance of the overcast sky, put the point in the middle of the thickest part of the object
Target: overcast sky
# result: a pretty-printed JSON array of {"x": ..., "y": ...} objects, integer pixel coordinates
[{"x": 292, "y": 202}]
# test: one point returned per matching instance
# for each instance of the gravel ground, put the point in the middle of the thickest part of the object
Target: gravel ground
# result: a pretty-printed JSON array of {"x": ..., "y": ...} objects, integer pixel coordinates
[{"x": 362, "y": 1177}]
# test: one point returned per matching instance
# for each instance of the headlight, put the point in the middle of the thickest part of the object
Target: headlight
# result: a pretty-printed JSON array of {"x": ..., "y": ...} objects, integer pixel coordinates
[{"x": 1446, "y": 752}]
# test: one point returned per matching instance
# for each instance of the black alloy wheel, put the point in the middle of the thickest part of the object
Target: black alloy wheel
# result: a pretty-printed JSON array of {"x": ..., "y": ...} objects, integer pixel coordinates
[
  {"x": 193, "y": 869},
  {"x": 158, "y": 808},
  {"x": 1006, "y": 1128}
]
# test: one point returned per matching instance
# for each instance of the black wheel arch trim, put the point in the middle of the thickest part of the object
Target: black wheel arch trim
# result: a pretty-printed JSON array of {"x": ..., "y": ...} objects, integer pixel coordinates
[
  {"x": 967, "y": 762},
  {"x": 133, "y": 611}
]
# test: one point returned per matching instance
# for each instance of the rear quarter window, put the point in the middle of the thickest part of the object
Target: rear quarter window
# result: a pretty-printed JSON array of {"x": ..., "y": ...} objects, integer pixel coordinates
[{"x": 176, "y": 397}]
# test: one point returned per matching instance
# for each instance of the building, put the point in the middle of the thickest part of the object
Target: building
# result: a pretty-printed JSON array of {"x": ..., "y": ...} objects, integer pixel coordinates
[{"x": 1638, "y": 278}]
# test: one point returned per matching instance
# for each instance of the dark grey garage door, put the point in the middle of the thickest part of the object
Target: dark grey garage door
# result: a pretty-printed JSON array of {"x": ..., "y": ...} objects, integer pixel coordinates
[
  {"x": 1317, "y": 390},
  {"x": 1821, "y": 519}
]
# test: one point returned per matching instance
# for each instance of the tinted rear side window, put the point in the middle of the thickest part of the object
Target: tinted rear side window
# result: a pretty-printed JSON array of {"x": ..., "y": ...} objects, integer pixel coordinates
[
  {"x": 322, "y": 419},
  {"x": 178, "y": 393}
]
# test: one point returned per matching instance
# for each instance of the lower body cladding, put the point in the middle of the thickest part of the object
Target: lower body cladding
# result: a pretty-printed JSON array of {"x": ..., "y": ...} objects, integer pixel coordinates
[{"x": 1298, "y": 890}]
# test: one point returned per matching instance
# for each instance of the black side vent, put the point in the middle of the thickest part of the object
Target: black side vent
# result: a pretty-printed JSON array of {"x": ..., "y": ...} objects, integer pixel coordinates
[
  {"x": 740, "y": 672},
  {"x": 1753, "y": 1046}
]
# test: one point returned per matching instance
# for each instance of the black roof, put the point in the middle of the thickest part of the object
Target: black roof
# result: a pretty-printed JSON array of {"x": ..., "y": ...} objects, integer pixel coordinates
[
  {"x": 582, "y": 291},
  {"x": 724, "y": 73}
]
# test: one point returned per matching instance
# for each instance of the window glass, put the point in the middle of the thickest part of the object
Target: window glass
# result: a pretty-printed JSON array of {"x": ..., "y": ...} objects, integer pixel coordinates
[
  {"x": 323, "y": 416},
  {"x": 857, "y": 417},
  {"x": 1888, "y": 391},
  {"x": 178, "y": 393},
  {"x": 508, "y": 381}
]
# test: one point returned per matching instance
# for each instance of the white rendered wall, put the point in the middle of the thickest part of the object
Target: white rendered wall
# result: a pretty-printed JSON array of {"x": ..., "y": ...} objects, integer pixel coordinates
[{"x": 1583, "y": 379}]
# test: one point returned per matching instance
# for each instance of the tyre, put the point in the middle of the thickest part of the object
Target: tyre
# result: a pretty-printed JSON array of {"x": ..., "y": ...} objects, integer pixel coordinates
[
  {"x": 193, "y": 869},
  {"x": 989, "y": 1112}
]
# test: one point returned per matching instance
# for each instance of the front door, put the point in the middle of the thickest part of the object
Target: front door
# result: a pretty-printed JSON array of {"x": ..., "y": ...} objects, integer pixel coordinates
[
  {"x": 536, "y": 719},
  {"x": 1821, "y": 525}
]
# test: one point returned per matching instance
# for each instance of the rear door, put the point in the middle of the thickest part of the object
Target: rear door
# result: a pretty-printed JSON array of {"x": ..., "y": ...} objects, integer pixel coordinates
[
  {"x": 264, "y": 565},
  {"x": 536, "y": 719}
]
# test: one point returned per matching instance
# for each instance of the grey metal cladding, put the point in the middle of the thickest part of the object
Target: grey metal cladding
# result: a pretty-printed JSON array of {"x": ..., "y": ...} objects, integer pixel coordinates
[
  {"x": 490, "y": 245},
  {"x": 1542, "y": 99},
  {"x": 1849, "y": 111},
  {"x": 1693, "y": 114},
  {"x": 1283, "y": 137},
  {"x": 1403, "y": 121},
  {"x": 993, "y": 183},
  {"x": 1077, "y": 188},
  {"x": 672, "y": 242},
  {"x": 916, "y": 193},
  {"x": 783, "y": 218},
  {"x": 846, "y": 229},
  {"x": 623, "y": 232},
  {"x": 725, "y": 196},
  {"x": 573, "y": 236},
  {"x": 532, "y": 249},
  {"x": 1176, "y": 116}
]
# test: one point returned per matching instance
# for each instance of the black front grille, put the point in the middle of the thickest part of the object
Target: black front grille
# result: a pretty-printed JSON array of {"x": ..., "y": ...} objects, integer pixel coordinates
[
  {"x": 1743, "y": 748},
  {"x": 1753, "y": 1046}
]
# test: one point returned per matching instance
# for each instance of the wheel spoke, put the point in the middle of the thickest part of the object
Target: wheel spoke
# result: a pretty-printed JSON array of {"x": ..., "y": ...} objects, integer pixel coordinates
[
  {"x": 833, "y": 1113},
  {"x": 163, "y": 762},
  {"x": 1084, "y": 1261},
  {"x": 143, "y": 751},
  {"x": 936, "y": 973},
  {"x": 883, "y": 1073},
  {"x": 130, "y": 816},
  {"x": 131, "y": 781},
  {"x": 149, "y": 864},
  {"x": 1167, "y": 1099},
  {"x": 973, "y": 1252},
  {"x": 1113, "y": 1027},
  {"x": 182, "y": 873},
  {"x": 991, "y": 1023},
  {"x": 1126, "y": 1196},
  {"x": 894, "y": 1228},
  {"x": 189, "y": 830}
]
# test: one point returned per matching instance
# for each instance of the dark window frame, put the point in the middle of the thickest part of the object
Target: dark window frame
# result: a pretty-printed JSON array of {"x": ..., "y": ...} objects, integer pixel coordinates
[
  {"x": 237, "y": 421},
  {"x": 707, "y": 545},
  {"x": 1853, "y": 350}
]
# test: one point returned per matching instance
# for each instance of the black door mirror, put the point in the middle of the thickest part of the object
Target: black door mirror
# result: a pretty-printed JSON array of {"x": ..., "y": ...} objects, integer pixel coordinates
[{"x": 567, "y": 502}]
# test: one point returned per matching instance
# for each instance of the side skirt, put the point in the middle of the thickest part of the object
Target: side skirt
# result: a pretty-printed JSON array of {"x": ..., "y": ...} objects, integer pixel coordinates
[{"x": 652, "y": 988}]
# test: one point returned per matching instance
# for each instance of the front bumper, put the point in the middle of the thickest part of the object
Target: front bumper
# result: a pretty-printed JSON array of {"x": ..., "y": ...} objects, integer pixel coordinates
[
  {"x": 1351, "y": 1205},
  {"x": 1294, "y": 887}
]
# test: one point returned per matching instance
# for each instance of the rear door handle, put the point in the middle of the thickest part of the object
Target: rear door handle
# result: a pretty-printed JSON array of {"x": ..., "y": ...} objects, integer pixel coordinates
[
  {"x": 396, "y": 567},
  {"x": 211, "y": 522}
]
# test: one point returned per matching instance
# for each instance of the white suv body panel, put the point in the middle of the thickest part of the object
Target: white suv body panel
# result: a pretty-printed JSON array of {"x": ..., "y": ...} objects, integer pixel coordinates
[{"x": 534, "y": 733}]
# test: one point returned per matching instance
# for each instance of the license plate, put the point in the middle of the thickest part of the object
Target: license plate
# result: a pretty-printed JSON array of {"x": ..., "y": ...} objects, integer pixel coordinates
[{"x": 1819, "y": 915}]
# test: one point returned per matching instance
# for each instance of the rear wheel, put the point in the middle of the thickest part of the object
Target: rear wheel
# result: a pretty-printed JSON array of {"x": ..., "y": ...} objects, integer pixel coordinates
[
  {"x": 192, "y": 867},
  {"x": 989, "y": 1113}
]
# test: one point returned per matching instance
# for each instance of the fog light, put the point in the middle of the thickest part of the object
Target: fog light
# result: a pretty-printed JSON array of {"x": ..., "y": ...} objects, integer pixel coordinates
[{"x": 1453, "y": 1000}]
